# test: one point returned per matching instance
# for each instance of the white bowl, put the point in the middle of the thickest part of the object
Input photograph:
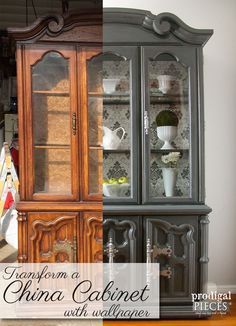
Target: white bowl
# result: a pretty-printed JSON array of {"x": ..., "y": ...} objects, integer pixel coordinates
[
  {"x": 124, "y": 187},
  {"x": 115, "y": 190},
  {"x": 111, "y": 190},
  {"x": 109, "y": 85}
]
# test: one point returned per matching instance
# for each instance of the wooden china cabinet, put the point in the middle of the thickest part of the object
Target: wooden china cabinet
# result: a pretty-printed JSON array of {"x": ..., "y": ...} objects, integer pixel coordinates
[
  {"x": 60, "y": 140},
  {"x": 155, "y": 64}
]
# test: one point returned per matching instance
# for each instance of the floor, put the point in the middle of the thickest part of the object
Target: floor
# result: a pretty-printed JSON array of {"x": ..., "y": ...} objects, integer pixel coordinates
[
  {"x": 7, "y": 253},
  {"x": 217, "y": 320}
]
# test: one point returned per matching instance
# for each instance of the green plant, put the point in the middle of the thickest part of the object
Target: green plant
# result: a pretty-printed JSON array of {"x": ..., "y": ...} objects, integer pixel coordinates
[{"x": 167, "y": 118}]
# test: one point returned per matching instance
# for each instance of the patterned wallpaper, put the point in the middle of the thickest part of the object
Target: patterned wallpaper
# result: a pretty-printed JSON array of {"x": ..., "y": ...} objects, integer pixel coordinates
[
  {"x": 116, "y": 115},
  {"x": 116, "y": 165}
]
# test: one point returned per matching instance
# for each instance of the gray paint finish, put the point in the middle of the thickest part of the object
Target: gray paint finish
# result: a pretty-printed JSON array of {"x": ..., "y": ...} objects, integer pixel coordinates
[{"x": 167, "y": 217}]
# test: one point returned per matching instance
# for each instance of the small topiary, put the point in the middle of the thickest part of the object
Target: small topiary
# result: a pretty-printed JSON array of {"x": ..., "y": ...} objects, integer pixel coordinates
[{"x": 167, "y": 118}]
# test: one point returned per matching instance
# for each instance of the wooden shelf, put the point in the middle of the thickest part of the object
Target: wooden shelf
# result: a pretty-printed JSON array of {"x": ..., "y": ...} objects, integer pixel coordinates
[
  {"x": 96, "y": 147},
  {"x": 55, "y": 93},
  {"x": 52, "y": 146}
]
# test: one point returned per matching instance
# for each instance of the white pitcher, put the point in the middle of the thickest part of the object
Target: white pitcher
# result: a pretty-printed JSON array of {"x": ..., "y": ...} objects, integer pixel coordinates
[{"x": 110, "y": 138}]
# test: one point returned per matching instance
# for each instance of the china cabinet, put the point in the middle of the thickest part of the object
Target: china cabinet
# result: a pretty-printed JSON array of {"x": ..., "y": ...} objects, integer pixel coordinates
[
  {"x": 154, "y": 64},
  {"x": 60, "y": 208}
]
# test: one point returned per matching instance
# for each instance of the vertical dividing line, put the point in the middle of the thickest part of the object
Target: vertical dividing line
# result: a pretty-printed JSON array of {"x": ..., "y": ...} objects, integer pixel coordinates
[
  {"x": 35, "y": 13},
  {"x": 26, "y": 13}
]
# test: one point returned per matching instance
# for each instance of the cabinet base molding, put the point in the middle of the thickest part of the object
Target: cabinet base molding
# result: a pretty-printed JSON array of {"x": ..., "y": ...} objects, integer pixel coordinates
[{"x": 182, "y": 312}]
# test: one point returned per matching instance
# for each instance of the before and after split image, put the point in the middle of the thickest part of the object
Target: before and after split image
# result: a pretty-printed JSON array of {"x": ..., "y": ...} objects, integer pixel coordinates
[{"x": 116, "y": 162}]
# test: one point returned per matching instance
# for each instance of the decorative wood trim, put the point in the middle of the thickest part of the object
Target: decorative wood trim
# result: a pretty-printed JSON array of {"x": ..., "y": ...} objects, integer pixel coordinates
[
  {"x": 52, "y": 224},
  {"x": 187, "y": 261},
  {"x": 22, "y": 234},
  {"x": 21, "y": 119},
  {"x": 162, "y": 25},
  {"x": 129, "y": 237},
  {"x": 57, "y": 206},
  {"x": 84, "y": 55},
  {"x": 204, "y": 259},
  {"x": 166, "y": 210},
  {"x": 61, "y": 218},
  {"x": 53, "y": 25},
  {"x": 92, "y": 246}
]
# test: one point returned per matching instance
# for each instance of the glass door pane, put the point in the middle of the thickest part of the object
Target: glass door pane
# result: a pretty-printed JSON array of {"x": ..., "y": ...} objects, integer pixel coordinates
[
  {"x": 51, "y": 125},
  {"x": 167, "y": 127},
  {"x": 95, "y": 109},
  {"x": 119, "y": 131}
]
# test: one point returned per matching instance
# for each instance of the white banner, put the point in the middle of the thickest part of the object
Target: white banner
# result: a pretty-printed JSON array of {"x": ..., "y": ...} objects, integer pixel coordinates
[{"x": 79, "y": 291}]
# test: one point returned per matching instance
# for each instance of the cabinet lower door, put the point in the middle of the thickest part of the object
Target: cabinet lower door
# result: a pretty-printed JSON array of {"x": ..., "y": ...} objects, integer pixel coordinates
[
  {"x": 173, "y": 241},
  {"x": 92, "y": 236},
  {"x": 52, "y": 237},
  {"x": 123, "y": 233}
]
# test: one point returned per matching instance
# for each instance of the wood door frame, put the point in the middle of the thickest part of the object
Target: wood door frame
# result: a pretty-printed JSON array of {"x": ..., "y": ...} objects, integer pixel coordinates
[
  {"x": 30, "y": 59},
  {"x": 85, "y": 54}
]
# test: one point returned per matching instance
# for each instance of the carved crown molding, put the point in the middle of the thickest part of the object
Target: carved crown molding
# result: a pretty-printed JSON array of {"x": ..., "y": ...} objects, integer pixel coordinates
[
  {"x": 162, "y": 25},
  {"x": 53, "y": 24}
]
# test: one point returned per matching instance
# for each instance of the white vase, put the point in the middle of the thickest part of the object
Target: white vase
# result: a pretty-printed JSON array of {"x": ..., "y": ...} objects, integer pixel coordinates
[
  {"x": 169, "y": 179},
  {"x": 167, "y": 134},
  {"x": 164, "y": 83},
  {"x": 109, "y": 85}
]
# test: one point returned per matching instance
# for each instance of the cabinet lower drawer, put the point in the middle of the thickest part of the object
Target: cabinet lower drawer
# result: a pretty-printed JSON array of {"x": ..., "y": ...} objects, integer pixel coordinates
[
  {"x": 173, "y": 241},
  {"x": 124, "y": 233},
  {"x": 52, "y": 237}
]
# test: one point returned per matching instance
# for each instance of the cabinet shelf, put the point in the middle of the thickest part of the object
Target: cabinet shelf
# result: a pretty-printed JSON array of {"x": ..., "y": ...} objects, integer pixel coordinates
[
  {"x": 97, "y": 147},
  {"x": 164, "y": 151},
  {"x": 167, "y": 99},
  {"x": 52, "y": 146},
  {"x": 117, "y": 98},
  {"x": 116, "y": 151},
  {"x": 55, "y": 93},
  {"x": 125, "y": 98}
]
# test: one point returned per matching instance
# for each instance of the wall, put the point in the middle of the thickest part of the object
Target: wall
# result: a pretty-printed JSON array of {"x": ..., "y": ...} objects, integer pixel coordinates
[{"x": 220, "y": 121}]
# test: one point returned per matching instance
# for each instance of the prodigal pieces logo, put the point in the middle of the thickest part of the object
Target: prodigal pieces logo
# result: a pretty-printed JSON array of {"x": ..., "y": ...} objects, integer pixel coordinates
[{"x": 213, "y": 302}]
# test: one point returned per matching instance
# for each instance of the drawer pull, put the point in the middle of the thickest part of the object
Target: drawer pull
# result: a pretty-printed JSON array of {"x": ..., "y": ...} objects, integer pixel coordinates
[
  {"x": 74, "y": 123},
  {"x": 165, "y": 251},
  {"x": 166, "y": 272},
  {"x": 154, "y": 252},
  {"x": 110, "y": 251},
  {"x": 66, "y": 249}
]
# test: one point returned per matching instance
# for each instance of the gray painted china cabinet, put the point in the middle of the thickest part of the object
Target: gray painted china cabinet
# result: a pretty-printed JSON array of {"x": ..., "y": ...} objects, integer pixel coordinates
[{"x": 153, "y": 178}]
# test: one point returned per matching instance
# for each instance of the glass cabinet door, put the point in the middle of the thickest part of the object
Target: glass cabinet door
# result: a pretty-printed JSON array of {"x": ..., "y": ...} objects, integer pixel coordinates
[
  {"x": 92, "y": 109},
  {"x": 120, "y": 124},
  {"x": 54, "y": 158},
  {"x": 170, "y": 125}
]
